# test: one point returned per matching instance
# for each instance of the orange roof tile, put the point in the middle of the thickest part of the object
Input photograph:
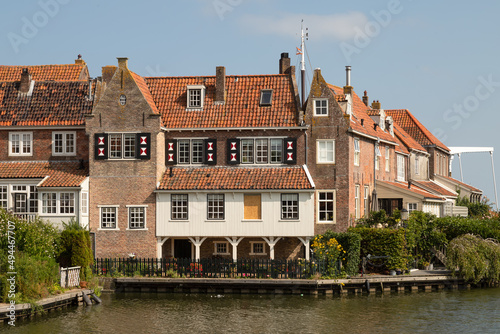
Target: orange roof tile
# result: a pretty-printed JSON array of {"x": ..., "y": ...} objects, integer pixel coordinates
[
  {"x": 66, "y": 72},
  {"x": 360, "y": 111},
  {"x": 462, "y": 184},
  {"x": 413, "y": 188},
  {"x": 242, "y": 106},
  {"x": 141, "y": 83},
  {"x": 406, "y": 139},
  {"x": 51, "y": 103},
  {"x": 414, "y": 128},
  {"x": 235, "y": 178},
  {"x": 435, "y": 188},
  {"x": 60, "y": 174},
  {"x": 401, "y": 147}
]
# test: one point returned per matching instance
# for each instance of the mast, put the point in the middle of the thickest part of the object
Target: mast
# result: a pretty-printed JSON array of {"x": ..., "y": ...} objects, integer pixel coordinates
[{"x": 302, "y": 65}]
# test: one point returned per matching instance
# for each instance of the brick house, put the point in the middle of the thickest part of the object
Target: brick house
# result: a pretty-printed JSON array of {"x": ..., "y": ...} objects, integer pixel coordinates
[{"x": 44, "y": 155}]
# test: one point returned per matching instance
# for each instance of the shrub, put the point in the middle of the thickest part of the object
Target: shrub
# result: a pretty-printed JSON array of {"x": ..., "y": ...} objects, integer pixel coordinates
[
  {"x": 351, "y": 243},
  {"x": 476, "y": 258},
  {"x": 75, "y": 247}
]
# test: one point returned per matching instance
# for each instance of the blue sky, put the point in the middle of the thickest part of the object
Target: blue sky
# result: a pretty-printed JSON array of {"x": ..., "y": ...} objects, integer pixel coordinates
[{"x": 439, "y": 59}]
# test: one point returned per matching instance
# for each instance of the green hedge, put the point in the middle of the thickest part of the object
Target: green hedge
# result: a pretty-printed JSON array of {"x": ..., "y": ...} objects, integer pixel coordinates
[
  {"x": 351, "y": 243},
  {"x": 75, "y": 249},
  {"x": 384, "y": 242}
]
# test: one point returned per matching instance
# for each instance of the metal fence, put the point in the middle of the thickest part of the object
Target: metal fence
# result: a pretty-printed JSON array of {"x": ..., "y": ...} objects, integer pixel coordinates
[{"x": 215, "y": 268}]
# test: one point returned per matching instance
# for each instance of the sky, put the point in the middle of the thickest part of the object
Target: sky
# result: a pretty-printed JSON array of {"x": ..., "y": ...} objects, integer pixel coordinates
[{"x": 439, "y": 59}]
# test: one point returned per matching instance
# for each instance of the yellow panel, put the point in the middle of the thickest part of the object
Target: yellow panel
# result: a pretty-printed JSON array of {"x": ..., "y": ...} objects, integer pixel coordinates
[{"x": 252, "y": 207}]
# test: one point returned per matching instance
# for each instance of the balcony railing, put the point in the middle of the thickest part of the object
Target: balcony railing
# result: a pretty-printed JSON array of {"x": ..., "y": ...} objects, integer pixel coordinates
[{"x": 29, "y": 217}]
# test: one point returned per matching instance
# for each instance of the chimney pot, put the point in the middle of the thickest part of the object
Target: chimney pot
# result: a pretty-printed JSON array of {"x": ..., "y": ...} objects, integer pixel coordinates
[
  {"x": 375, "y": 104},
  {"x": 348, "y": 75},
  {"x": 362, "y": 122},
  {"x": 25, "y": 81},
  {"x": 220, "y": 84},
  {"x": 365, "y": 99},
  {"x": 375, "y": 126},
  {"x": 284, "y": 63}
]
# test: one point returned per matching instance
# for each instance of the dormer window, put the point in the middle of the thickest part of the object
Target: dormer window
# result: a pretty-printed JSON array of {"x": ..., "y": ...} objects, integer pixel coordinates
[
  {"x": 266, "y": 97},
  {"x": 195, "y": 97}
]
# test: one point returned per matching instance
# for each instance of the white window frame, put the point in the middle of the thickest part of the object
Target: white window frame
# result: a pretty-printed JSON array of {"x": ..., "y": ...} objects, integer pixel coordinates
[
  {"x": 387, "y": 159},
  {"x": 400, "y": 167},
  {"x": 366, "y": 198},
  {"x": 356, "y": 202},
  {"x": 59, "y": 207},
  {"x": 320, "y": 110},
  {"x": 144, "y": 214},
  {"x": 411, "y": 208},
  {"x": 377, "y": 156},
  {"x": 84, "y": 203},
  {"x": 321, "y": 155},
  {"x": 4, "y": 196},
  {"x": 116, "y": 208},
  {"x": 51, "y": 199},
  {"x": 357, "y": 151},
  {"x": 124, "y": 153},
  {"x": 188, "y": 158},
  {"x": 22, "y": 141},
  {"x": 318, "y": 209},
  {"x": 252, "y": 249},
  {"x": 72, "y": 203},
  {"x": 273, "y": 155},
  {"x": 191, "y": 89},
  {"x": 417, "y": 165},
  {"x": 296, "y": 206},
  {"x": 216, "y": 250},
  {"x": 223, "y": 208},
  {"x": 179, "y": 206},
  {"x": 64, "y": 143}
]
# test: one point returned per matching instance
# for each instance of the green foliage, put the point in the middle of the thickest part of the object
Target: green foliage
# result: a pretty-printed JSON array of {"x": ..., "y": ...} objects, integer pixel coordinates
[
  {"x": 380, "y": 219},
  {"x": 424, "y": 233},
  {"x": 456, "y": 226},
  {"x": 384, "y": 242},
  {"x": 75, "y": 249},
  {"x": 479, "y": 209},
  {"x": 476, "y": 258},
  {"x": 351, "y": 243}
]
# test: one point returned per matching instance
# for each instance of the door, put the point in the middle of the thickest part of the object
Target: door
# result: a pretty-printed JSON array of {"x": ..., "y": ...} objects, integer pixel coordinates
[
  {"x": 20, "y": 202},
  {"x": 182, "y": 249}
]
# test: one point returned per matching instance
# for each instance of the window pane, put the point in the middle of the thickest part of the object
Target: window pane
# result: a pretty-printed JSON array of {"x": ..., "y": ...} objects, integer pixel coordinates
[
  {"x": 108, "y": 217},
  {"x": 67, "y": 203},
  {"x": 195, "y": 98},
  {"x": 276, "y": 150},
  {"x": 326, "y": 207},
  {"x": 289, "y": 206},
  {"x": 3, "y": 197},
  {"x": 215, "y": 206},
  {"x": 49, "y": 203},
  {"x": 179, "y": 206},
  {"x": 183, "y": 151},
  {"x": 136, "y": 217},
  {"x": 15, "y": 143},
  {"x": 265, "y": 97},
  {"x": 129, "y": 145},
  {"x": 247, "y": 150},
  {"x": 70, "y": 143},
  {"x": 197, "y": 151},
  {"x": 115, "y": 146},
  {"x": 27, "y": 143},
  {"x": 58, "y": 143},
  {"x": 261, "y": 151}
]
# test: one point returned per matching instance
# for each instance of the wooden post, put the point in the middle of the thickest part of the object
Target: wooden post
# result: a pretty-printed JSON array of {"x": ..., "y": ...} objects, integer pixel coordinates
[
  {"x": 234, "y": 241},
  {"x": 306, "y": 242},
  {"x": 271, "y": 241},
  {"x": 197, "y": 243},
  {"x": 159, "y": 246}
]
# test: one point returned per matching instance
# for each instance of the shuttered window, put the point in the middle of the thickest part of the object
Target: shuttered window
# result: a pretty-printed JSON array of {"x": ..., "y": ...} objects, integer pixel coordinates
[{"x": 252, "y": 205}]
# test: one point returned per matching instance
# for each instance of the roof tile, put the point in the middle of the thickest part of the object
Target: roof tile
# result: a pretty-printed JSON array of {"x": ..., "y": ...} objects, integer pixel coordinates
[
  {"x": 60, "y": 174},
  {"x": 66, "y": 72}
]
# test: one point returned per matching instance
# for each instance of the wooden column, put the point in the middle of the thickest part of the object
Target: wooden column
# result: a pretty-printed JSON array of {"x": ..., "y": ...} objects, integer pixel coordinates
[
  {"x": 271, "y": 241},
  {"x": 306, "y": 242},
  {"x": 234, "y": 241},
  {"x": 197, "y": 241},
  {"x": 159, "y": 246}
]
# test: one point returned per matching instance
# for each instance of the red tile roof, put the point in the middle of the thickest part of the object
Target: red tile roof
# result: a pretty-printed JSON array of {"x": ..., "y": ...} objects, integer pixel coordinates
[
  {"x": 401, "y": 147},
  {"x": 435, "y": 188},
  {"x": 406, "y": 139},
  {"x": 413, "y": 188},
  {"x": 141, "y": 83},
  {"x": 242, "y": 106},
  {"x": 66, "y": 72},
  {"x": 60, "y": 174},
  {"x": 235, "y": 178},
  {"x": 414, "y": 128},
  {"x": 360, "y": 111},
  {"x": 51, "y": 103},
  {"x": 461, "y": 183}
]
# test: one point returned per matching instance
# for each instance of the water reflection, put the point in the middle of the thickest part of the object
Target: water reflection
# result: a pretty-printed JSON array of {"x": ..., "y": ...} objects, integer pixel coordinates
[{"x": 475, "y": 311}]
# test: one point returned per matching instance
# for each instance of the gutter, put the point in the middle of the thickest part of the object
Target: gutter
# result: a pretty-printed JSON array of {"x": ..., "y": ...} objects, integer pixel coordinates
[{"x": 309, "y": 177}]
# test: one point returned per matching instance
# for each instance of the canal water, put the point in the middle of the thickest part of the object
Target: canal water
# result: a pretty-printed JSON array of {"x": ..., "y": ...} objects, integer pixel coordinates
[{"x": 474, "y": 311}]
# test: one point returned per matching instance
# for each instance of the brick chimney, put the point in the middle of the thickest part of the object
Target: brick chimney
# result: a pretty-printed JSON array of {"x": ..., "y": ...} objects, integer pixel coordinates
[
  {"x": 284, "y": 63},
  {"x": 375, "y": 104},
  {"x": 79, "y": 60},
  {"x": 25, "y": 81},
  {"x": 122, "y": 63},
  {"x": 220, "y": 84},
  {"x": 365, "y": 99}
]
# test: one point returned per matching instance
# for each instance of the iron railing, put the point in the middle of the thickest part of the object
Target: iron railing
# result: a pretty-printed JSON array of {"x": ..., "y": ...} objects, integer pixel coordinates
[{"x": 215, "y": 268}]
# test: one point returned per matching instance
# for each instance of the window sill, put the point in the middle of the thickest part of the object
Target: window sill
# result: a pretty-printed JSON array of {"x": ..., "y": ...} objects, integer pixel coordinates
[
  {"x": 63, "y": 154},
  {"x": 257, "y": 254},
  {"x": 108, "y": 229},
  {"x": 252, "y": 221},
  {"x": 194, "y": 109},
  {"x": 136, "y": 229},
  {"x": 325, "y": 163},
  {"x": 178, "y": 221},
  {"x": 221, "y": 253},
  {"x": 327, "y": 222},
  {"x": 215, "y": 221},
  {"x": 289, "y": 220}
]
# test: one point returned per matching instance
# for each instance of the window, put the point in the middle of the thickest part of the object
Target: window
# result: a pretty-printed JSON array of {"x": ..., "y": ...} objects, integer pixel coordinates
[
  {"x": 63, "y": 143},
  {"x": 257, "y": 248},
  {"x": 412, "y": 207},
  {"x": 326, "y": 151},
  {"x": 417, "y": 165},
  {"x": 220, "y": 248},
  {"x": 67, "y": 203},
  {"x": 252, "y": 206},
  {"x": 356, "y": 151},
  {"x": 20, "y": 143},
  {"x": 289, "y": 206},
  {"x": 266, "y": 96},
  {"x": 179, "y": 204},
  {"x": 137, "y": 217},
  {"x": 25, "y": 199},
  {"x": 387, "y": 159},
  {"x": 122, "y": 146},
  {"x": 377, "y": 156},
  {"x": 215, "y": 203},
  {"x": 3, "y": 197},
  {"x": 195, "y": 96},
  {"x": 326, "y": 207},
  {"x": 49, "y": 203},
  {"x": 366, "y": 202},
  {"x": 401, "y": 167},
  {"x": 356, "y": 201},
  {"x": 123, "y": 100},
  {"x": 261, "y": 150},
  {"x": 108, "y": 217},
  {"x": 85, "y": 203},
  {"x": 321, "y": 107},
  {"x": 190, "y": 151}
]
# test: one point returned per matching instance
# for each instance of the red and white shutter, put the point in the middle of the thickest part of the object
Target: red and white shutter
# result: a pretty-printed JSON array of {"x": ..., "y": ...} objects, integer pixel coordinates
[
  {"x": 143, "y": 146},
  {"x": 290, "y": 148},
  {"x": 171, "y": 152},
  {"x": 210, "y": 152},
  {"x": 101, "y": 146},
  {"x": 233, "y": 151}
]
